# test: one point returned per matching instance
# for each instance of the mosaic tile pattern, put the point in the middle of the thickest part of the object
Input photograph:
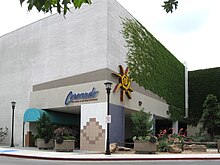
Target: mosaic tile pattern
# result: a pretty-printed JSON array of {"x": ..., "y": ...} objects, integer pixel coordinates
[{"x": 92, "y": 136}]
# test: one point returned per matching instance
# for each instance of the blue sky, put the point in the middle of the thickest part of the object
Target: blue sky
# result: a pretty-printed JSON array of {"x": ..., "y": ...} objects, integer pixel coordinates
[{"x": 191, "y": 33}]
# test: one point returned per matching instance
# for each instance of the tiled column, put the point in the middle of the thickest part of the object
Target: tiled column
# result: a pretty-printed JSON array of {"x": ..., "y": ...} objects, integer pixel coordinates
[{"x": 93, "y": 127}]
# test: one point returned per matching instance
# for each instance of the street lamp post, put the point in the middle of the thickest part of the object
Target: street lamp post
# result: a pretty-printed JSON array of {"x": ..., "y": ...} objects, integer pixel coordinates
[
  {"x": 108, "y": 90},
  {"x": 12, "y": 124}
]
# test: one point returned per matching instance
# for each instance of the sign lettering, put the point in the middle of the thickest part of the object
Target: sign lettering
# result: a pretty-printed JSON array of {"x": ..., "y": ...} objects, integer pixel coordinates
[{"x": 81, "y": 97}]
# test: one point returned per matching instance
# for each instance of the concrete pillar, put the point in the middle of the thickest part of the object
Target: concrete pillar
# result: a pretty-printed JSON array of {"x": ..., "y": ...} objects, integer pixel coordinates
[
  {"x": 186, "y": 91},
  {"x": 175, "y": 126}
]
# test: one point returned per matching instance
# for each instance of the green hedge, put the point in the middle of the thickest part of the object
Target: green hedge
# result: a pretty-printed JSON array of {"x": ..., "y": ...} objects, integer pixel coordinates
[
  {"x": 201, "y": 84},
  {"x": 154, "y": 67}
]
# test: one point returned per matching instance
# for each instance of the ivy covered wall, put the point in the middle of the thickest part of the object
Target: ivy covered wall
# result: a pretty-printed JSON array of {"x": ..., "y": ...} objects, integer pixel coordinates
[
  {"x": 154, "y": 67},
  {"x": 202, "y": 83}
]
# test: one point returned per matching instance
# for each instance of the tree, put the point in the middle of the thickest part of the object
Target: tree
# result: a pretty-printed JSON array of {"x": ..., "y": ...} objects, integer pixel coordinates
[
  {"x": 201, "y": 83},
  {"x": 211, "y": 115},
  {"x": 170, "y": 5},
  {"x": 47, "y": 5}
]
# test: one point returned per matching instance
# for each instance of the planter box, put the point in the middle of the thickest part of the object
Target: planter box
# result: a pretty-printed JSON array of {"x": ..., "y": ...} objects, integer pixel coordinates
[
  {"x": 144, "y": 147},
  {"x": 67, "y": 145},
  {"x": 42, "y": 145}
]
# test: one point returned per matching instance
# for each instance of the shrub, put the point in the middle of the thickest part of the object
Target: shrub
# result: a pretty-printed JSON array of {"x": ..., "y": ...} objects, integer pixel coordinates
[
  {"x": 142, "y": 126},
  {"x": 150, "y": 138},
  {"x": 211, "y": 115},
  {"x": 162, "y": 146},
  {"x": 3, "y": 133},
  {"x": 165, "y": 139},
  {"x": 63, "y": 133},
  {"x": 200, "y": 137}
]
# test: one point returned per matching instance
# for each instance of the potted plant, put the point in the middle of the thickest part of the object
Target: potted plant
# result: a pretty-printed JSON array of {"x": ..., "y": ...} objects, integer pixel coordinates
[
  {"x": 144, "y": 141},
  {"x": 64, "y": 139},
  {"x": 45, "y": 129}
]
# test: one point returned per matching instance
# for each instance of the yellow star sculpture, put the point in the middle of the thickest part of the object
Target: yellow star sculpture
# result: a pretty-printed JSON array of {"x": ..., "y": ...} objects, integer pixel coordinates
[{"x": 124, "y": 83}]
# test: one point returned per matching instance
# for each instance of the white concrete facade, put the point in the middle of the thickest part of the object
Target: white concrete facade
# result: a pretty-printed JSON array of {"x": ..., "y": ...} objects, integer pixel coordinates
[{"x": 55, "y": 48}]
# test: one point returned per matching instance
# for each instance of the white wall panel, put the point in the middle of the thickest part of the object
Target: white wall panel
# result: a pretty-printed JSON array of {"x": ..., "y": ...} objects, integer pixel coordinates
[{"x": 98, "y": 111}]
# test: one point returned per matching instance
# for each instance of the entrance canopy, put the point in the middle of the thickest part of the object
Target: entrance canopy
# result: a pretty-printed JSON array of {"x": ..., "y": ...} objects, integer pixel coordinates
[{"x": 33, "y": 114}]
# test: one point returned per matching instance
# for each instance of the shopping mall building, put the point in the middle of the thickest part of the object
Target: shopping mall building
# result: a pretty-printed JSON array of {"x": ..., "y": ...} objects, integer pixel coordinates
[{"x": 59, "y": 66}]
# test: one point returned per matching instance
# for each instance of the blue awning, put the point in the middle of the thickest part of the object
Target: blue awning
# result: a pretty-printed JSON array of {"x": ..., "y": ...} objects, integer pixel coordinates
[{"x": 33, "y": 114}]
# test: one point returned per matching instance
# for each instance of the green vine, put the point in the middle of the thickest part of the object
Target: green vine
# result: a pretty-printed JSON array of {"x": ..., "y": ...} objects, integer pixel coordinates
[
  {"x": 201, "y": 84},
  {"x": 154, "y": 67}
]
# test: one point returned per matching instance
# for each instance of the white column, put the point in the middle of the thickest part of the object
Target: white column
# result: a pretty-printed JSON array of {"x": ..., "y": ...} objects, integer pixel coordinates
[
  {"x": 175, "y": 126},
  {"x": 186, "y": 90}
]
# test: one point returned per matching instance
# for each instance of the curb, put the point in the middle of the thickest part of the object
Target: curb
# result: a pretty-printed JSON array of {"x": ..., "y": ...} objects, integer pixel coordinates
[{"x": 108, "y": 158}]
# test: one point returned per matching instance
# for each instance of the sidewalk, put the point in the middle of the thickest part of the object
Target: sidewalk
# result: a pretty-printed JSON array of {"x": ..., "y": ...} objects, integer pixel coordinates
[{"x": 78, "y": 155}]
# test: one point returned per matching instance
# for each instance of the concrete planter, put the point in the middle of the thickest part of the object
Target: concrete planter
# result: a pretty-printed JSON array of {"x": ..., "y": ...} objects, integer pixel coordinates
[
  {"x": 67, "y": 145},
  {"x": 144, "y": 147},
  {"x": 42, "y": 145}
]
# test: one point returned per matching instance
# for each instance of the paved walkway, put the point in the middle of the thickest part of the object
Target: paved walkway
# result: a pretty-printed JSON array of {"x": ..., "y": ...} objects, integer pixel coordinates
[{"x": 78, "y": 155}]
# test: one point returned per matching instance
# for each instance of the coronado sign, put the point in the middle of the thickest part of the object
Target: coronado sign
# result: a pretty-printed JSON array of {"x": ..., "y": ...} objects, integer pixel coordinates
[{"x": 81, "y": 97}]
